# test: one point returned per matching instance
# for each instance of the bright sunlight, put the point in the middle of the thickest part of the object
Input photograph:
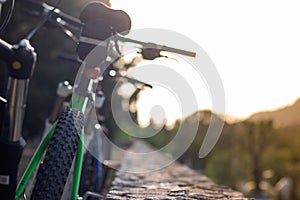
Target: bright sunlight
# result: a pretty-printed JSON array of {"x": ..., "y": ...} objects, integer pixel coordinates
[{"x": 254, "y": 45}]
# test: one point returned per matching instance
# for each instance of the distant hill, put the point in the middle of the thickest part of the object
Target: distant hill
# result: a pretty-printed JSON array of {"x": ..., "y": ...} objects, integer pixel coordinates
[
  {"x": 285, "y": 116},
  {"x": 203, "y": 116}
]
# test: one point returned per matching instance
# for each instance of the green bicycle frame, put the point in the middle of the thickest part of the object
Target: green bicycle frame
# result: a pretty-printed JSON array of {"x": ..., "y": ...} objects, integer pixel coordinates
[
  {"x": 79, "y": 101},
  {"x": 34, "y": 163}
]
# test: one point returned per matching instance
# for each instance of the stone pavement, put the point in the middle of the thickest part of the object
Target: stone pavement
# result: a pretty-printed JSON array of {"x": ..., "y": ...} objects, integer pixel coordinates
[{"x": 175, "y": 181}]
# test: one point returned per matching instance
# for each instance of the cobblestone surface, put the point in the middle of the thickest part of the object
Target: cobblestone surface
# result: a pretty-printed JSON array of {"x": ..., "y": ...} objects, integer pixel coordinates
[{"x": 173, "y": 182}]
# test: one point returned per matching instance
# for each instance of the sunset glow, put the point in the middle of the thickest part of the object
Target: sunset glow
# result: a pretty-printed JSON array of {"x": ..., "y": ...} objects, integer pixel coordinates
[{"x": 255, "y": 45}]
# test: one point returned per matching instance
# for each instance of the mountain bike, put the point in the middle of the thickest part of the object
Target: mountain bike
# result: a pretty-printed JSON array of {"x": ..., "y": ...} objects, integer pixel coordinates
[
  {"x": 97, "y": 148},
  {"x": 59, "y": 156}
]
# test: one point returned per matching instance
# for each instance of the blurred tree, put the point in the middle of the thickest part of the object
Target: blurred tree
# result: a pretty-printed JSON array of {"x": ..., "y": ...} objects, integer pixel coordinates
[{"x": 258, "y": 135}]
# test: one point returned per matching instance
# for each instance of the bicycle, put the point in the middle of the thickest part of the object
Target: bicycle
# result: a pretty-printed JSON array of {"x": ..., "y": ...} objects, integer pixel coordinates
[
  {"x": 94, "y": 173},
  {"x": 65, "y": 140}
]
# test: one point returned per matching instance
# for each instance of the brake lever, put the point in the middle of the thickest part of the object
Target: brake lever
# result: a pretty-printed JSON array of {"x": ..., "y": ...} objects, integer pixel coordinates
[
  {"x": 135, "y": 81},
  {"x": 131, "y": 80},
  {"x": 64, "y": 29}
]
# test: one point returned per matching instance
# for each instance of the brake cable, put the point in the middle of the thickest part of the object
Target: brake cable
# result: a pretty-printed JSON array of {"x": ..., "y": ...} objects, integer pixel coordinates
[
  {"x": 8, "y": 16},
  {"x": 43, "y": 21}
]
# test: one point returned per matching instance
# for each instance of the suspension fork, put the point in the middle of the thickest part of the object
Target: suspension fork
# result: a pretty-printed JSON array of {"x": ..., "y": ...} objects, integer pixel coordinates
[
  {"x": 15, "y": 110},
  {"x": 20, "y": 60}
]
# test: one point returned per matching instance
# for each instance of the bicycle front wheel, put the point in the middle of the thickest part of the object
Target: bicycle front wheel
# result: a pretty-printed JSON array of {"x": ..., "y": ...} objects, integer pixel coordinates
[{"x": 54, "y": 169}]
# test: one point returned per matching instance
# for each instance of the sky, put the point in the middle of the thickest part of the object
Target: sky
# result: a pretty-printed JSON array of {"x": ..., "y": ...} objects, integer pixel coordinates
[{"x": 255, "y": 45}]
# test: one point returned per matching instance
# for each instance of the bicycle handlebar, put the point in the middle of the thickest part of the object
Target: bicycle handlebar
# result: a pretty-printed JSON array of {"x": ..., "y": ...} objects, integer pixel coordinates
[
  {"x": 5, "y": 48},
  {"x": 156, "y": 46},
  {"x": 43, "y": 8}
]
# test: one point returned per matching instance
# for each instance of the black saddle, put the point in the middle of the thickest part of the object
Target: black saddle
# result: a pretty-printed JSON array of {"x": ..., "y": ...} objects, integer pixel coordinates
[
  {"x": 100, "y": 22},
  {"x": 117, "y": 19}
]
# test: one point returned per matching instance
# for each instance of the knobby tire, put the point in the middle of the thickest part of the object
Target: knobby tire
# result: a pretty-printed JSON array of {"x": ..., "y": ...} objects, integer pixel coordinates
[{"x": 54, "y": 169}]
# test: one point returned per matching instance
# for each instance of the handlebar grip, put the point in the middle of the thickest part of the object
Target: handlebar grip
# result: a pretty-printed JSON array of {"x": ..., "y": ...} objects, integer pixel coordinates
[{"x": 178, "y": 51}]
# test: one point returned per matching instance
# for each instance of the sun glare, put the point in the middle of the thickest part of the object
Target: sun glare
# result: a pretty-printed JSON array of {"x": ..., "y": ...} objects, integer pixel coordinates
[
  {"x": 254, "y": 45},
  {"x": 159, "y": 105}
]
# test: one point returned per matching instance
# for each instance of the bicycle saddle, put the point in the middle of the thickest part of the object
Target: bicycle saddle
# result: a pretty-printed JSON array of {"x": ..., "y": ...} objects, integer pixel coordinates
[{"x": 117, "y": 19}]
